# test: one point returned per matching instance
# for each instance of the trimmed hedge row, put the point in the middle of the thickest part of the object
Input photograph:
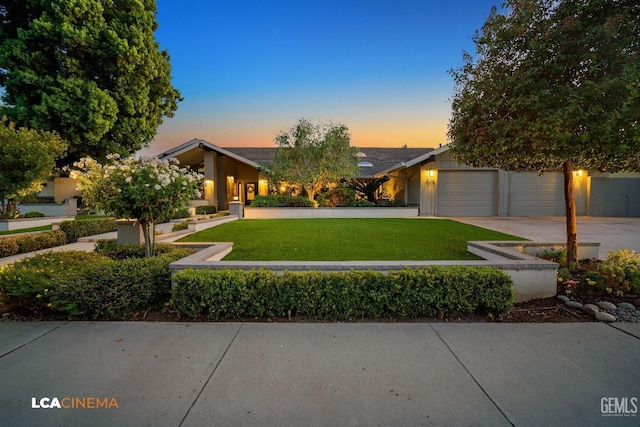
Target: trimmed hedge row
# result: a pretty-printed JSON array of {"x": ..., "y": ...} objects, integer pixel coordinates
[
  {"x": 206, "y": 209},
  {"x": 281, "y": 201},
  {"x": 430, "y": 292},
  {"x": 31, "y": 242},
  {"x": 77, "y": 229}
]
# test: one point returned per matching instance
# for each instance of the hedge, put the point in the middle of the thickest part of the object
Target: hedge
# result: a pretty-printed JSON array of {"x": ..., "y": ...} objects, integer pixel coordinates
[
  {"x": 31, "y": 242},
  {"x": 77, "y": 229},
  {"x": 87, "y": 285},
  {"x": 429, "y": 292},
  {"x": 206, "y": 209},
  {"x": 281, "y": 201}
]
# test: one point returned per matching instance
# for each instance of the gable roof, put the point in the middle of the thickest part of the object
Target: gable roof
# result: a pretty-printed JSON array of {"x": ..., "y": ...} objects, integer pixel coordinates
[{"x": 373, "y": 161}]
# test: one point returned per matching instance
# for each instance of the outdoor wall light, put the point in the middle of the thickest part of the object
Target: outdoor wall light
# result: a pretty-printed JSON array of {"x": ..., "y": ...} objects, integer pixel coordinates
[
  {"x": 578, "y": 173},
  {"x": 431, "y": 173}
]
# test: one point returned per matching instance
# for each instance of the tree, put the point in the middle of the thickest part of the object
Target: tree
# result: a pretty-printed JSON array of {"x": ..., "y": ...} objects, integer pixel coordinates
[
  {"x": 314, "y": 155},
  {"x": 553, "y": 86},
  {"x": 90, "y": 70},
  {"x": 26, "y": 159},
  {"x": 145, "y": 189}
]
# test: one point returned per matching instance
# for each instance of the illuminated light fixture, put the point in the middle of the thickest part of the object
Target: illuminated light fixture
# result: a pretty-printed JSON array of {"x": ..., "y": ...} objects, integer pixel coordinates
[
  {"x": 431, "y": 173},
  {"x": 578, "y": 173},
  {"x": 208, "y": 182},
  {"x": 235, "y": 198}
]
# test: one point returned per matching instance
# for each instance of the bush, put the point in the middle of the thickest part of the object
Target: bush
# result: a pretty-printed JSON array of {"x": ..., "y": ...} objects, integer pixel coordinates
[
  {"x": 31, "y": 242},
  {"x": 396, "y": 204},
  {"x": 111, "y": 249},
  {"x": 182, "y": 225},
  {"x": 619, "y": 273},
  {"x": 281, "y": 201},
  {"x": 363, "y": 203},
  {"x": 77, "y": 229},
  {"x": 429, "y": 292},
  {"x": 337, "y": 197},
  {"x": 88, "y": 285},
  {"x": 33, "y": 214},
  {"x": 30, "y": 283},
  {"x": 111, "y": 289},
  {"x": 183, "y": 212},
  {"x": 206, "y": 210}
]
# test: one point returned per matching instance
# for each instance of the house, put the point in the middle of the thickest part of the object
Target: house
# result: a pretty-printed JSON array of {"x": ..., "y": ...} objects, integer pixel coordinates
[{"x": 427, "y": 178}]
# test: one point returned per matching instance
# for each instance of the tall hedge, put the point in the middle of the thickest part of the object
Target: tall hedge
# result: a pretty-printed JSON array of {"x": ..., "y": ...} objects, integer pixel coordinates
[{"x": 77, "y": 229}]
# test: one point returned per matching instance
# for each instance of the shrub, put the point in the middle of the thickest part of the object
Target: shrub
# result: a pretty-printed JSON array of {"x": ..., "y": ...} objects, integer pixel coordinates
[
  {"x": 77, "y": 229},
  {"x": 206, "y": 210},
  {"x": 33, "y": 214},
  {"x": 363, "y": 203},
  {"x": 182, "y": 225},
  {"x": 88, "y": 285},
  {"x": 280, "y": 201},
  {"x": 111, "y": 249},
  {"x": 31, "y": 242},
  {"x": 30, "y": 283},
  {"x": 337, "y": 197},
  {"x": 340, "y": 296},
  {"x": 183, "y": 212},
  {"x": 619, "y": 273},
  {"x": 396, "y": 204},
  {"x": 111, "y": 289},
  {"x": 555, "y": 255}
]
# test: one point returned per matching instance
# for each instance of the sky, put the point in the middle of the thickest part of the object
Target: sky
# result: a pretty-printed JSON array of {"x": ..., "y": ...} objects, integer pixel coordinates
[{"x": 248, "y": 69}]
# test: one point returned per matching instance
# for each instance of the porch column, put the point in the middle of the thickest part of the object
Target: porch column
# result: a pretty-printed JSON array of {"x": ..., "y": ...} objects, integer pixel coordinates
[{"x": 210, "y": 159}]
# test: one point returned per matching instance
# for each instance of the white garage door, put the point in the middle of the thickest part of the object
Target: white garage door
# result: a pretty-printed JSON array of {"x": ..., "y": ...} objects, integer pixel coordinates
[
  {"x": 467, "y": 193},
  {"x": 532, "y": 195}
]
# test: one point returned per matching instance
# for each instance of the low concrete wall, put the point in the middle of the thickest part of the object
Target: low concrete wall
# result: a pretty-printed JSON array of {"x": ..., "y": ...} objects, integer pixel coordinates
[
  {"x": 19, "y": 224},
  {"x": 68, "y": 208},
  {"x": 271, "y": 213},
  {"x": 533, "y": 277}
]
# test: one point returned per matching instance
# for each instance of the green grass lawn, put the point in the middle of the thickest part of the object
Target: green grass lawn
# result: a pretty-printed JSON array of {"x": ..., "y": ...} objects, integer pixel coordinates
[
  {"x": 346, "y": 239},
  {"x": 26, "y": 230}
]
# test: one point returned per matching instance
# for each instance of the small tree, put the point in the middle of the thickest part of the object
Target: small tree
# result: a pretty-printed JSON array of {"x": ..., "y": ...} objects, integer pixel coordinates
[
  {"x": 144, "y": 189},
  {"x": 314, "y": 155},
  {"x": 26, "y": 160},
  {"x": 553, "y": 87}
]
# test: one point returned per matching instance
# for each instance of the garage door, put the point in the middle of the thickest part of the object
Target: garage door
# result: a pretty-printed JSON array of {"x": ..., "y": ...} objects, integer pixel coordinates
[
  {"x": 531, "y": 194},
  {"x": 615, "y": 197},
  {"x": 467, "y": 193}
]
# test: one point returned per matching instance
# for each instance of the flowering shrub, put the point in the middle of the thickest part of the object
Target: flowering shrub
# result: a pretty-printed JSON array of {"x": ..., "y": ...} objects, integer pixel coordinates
[{"x": 146, "y": 189}]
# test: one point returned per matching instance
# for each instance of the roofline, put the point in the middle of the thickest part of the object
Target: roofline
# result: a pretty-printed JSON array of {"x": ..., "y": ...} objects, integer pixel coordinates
[
  {"x": 206, "y": 146},
  {"x": 417, "y": 160}
]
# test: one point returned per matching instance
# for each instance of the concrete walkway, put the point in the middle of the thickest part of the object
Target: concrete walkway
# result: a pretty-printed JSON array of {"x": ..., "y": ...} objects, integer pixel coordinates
[
  {"x": 319, "y": 374},
  {"x": 612, "y": 233}
]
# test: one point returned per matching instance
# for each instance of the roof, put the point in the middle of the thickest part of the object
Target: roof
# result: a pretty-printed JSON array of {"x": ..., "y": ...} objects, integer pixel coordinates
[{"x": 374, "y": 161}]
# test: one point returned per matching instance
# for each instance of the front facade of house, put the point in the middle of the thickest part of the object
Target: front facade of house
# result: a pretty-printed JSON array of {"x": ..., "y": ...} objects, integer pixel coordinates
[{"x": 427, "y": 178}]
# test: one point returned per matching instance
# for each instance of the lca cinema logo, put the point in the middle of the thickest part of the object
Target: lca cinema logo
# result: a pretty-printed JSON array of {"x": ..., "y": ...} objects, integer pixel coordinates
[
  {"x": 619, "y": 406},
  {"x": 74, "y": 403}
]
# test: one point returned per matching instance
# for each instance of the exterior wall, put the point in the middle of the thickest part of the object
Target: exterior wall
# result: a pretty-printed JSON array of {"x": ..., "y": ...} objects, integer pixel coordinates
[
  {"x": 444, "y": 183},
  {"x": 65, "y": 188},
  {"x": 68, "y": 208}
]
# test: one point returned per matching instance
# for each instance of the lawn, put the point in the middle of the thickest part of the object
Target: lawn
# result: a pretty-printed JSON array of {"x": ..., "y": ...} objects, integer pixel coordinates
[{"x": 346, "y": 239}]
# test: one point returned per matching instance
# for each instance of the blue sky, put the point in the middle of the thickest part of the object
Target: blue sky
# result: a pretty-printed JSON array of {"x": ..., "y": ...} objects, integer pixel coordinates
[{"x": 248, "y": 69}]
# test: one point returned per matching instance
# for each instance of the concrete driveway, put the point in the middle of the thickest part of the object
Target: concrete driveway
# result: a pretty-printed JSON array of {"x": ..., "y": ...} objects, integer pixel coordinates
[{"x": 612, "y": 233}]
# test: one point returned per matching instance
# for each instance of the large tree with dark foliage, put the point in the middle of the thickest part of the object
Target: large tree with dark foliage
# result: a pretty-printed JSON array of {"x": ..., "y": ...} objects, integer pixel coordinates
[
  {"x": 90, "y": 70},
  {"x": 553, "y": 86}
]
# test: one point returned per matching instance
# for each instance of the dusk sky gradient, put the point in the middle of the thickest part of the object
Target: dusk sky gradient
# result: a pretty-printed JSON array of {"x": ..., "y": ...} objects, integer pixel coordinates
[{"x": 248, "y": 69}]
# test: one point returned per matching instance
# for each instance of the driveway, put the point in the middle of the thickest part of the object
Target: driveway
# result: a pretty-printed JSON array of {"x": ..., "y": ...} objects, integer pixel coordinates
[{"x": 612, "y": 233}]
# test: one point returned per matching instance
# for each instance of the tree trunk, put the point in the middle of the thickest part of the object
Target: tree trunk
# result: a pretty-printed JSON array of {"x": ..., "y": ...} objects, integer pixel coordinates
[
  {"x": 570, "y": 205},
  {"x": 147, "y": 238}
]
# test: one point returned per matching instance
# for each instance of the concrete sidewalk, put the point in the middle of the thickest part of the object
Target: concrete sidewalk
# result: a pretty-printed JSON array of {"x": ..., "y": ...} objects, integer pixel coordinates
[{"x": 320, "y": 374}]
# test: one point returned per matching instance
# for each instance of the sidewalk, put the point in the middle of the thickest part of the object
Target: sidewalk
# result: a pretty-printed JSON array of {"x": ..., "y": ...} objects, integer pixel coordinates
[{"x": 320, "y": 374}]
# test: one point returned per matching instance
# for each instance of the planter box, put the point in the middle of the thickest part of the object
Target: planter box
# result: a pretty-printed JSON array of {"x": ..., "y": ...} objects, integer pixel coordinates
[
  {"x": 22, "y": 223},
  {"x": 271, "y": 213}
]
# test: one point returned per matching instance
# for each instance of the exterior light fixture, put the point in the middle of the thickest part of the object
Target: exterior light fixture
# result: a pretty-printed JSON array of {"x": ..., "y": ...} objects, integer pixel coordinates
[{"x": 431, "y": 173}]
